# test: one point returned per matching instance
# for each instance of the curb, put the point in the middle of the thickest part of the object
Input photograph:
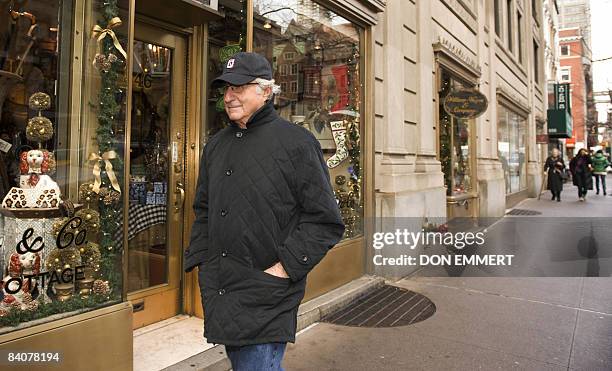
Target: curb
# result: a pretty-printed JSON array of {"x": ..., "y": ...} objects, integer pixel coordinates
[{"x": 215, "y": 359}]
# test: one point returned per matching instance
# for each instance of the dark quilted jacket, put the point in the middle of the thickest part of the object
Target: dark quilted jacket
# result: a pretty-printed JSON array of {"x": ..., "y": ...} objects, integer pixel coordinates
[{"x": 263, "y": 196}]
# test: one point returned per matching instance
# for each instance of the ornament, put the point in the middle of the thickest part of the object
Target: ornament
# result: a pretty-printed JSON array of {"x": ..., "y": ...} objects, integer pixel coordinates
[
  {"x": 109, "y": 196},
  {"x": 39, "y": 129},
  {"x": 86, "y": 192},
  {"x": 101, "y": 288},
  {"x": 90, "y": 218},
  {"x": 339, "y": 134},
  {"x": 59, "y": 258},
  {"x": 3, "y": 312},
  {"x": 40, "y": 101},
  {"x": 104, "y": 63},
  {"x": 58, "y": 225},
  {"x": 90, "y": 255}
]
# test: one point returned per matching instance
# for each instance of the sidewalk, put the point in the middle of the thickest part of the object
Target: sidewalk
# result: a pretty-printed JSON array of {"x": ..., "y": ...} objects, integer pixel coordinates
[
  {"x": 502, "y": 323},
  {"x": 484, "y": 322}
]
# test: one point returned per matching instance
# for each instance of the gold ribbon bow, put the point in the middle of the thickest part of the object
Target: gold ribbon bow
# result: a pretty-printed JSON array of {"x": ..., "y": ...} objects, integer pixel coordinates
[
  {"x": 108, "y": 166},
  {"x": 100, "y": 33}
]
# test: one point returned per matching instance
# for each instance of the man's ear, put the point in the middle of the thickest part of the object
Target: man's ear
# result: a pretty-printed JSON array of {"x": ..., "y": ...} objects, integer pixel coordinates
[{"x": 268, "y": 93}]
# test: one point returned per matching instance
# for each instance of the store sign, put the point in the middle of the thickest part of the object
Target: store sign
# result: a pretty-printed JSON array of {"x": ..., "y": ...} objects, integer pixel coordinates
[
  {"x": 562, "y": 97},
  {"x": 34, "y": 245},
  {"x": 542, "y": 138},
  {"x": 465, "y": 104}
]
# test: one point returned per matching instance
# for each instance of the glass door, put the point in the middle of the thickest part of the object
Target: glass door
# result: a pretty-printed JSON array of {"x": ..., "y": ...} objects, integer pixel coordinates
[{"x": 156, "y": 192}]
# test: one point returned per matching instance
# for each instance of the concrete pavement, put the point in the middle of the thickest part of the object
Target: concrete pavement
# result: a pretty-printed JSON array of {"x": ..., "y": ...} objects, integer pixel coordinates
[
  {"x": 484, "y": 323},
  {"x": 480, "y": 323}
]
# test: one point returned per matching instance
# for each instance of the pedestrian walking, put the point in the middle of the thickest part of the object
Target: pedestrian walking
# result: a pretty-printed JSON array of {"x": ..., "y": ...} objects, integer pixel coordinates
[
  {"x": 581, "y": 168},
  {"x": 554, "y": 167},
  {"x": 265, "y": 216},
  {"x": 600, "y": 164}
]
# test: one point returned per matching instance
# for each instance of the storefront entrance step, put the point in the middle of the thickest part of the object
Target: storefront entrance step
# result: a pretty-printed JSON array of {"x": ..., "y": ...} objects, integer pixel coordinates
[{"x": 215, "y": 359}]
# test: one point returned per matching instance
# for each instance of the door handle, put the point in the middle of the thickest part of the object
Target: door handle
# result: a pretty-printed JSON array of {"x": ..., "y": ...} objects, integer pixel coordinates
[{"x": 180, "y": 200}]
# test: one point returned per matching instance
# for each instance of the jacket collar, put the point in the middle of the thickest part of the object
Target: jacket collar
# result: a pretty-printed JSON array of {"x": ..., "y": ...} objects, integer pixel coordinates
[{"x": 262, "y": 116}]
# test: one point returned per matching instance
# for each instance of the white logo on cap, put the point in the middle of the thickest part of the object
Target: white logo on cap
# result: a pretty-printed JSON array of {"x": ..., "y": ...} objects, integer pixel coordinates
[{"x": 230, "y": 63}]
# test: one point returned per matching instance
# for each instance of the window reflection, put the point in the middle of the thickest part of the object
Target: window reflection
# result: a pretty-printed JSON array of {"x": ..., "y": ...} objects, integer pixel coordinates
[{"x": 315, "y": 58}]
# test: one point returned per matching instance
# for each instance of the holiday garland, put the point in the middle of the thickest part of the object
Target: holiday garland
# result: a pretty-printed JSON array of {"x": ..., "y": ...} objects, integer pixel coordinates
[{"x": 111, "y": 69}]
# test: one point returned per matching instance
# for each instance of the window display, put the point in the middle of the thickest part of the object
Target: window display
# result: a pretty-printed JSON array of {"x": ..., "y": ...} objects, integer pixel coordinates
[
  {"x": 454, "y": 142},
  {"x": 315, "y": 55},
  {"x": 511, "y": 148},
  {"x": 58, "y": 225}
]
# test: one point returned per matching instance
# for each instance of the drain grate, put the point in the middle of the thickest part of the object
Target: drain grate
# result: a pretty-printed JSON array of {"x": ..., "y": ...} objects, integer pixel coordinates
[
  {"x": 387, "y": 306},
  {"x": 523, "y": 212}
]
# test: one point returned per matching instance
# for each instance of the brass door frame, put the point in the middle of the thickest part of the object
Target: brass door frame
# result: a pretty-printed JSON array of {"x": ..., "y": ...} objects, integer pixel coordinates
[
  {"x": 196, "y": 121},
  {"x": 165, "y": 298}
]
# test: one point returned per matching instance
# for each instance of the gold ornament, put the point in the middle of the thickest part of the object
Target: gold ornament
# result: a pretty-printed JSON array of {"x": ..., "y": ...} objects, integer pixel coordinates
[
  {"x": 90, "y": 218},
  {"x": 40, "y": 101},
  {"x": 90, "y": 255},
  {"x": 86, "y": 192},
  {"x": 39, "y": 129},
  {"x": 60, "y": 258}
]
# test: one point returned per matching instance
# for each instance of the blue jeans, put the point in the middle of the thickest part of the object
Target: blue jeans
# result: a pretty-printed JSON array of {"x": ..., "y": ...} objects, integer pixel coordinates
[{"x": 256, "y": 357}]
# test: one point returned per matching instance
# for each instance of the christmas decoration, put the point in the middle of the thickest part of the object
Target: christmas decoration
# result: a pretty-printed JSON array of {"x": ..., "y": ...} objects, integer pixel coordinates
[
  {"x": 104, "y": 63},
  {"x": 109, "y": 196},
  {"x": 60, "y": 259},
  {"x": 90, "y": 219},
  {"x": 90, "y": 255},
  {"x": 39, "y": 129},
  {"x": 107, "y": 164},
  {"x": 101, "y": 288},
  {"x": 86, "y": 193},
  {"x": 40, "y": 101},
  {"x": 339, "y": 134}
]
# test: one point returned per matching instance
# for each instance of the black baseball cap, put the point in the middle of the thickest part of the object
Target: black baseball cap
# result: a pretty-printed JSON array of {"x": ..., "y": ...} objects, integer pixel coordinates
[{"x": 243, "y": 68}]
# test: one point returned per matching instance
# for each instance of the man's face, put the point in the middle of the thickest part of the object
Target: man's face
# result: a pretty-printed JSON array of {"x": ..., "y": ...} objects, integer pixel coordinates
[{"x": 241, "y": 102}]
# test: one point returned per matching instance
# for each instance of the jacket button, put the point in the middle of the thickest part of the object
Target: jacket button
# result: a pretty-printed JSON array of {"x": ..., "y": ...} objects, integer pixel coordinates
[
  {"x": 228, "y": 172},
  {"x": 224, "y": 254},
  {"x": 221, "y": 291},
  {"x": 304, "y": 258},
  {"x": 223, "y": 212},
  {"x": 239, "y": 134}
]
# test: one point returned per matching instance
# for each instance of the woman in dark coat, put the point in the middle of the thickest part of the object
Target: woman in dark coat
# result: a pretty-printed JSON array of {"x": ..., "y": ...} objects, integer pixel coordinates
[
  {"x": 554, "y": 165},
  {"x": 581, "y": 168}
]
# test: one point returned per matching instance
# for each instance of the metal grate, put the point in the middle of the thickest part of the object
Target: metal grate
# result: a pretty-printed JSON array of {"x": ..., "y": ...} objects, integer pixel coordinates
[
  {"x": 523, "y": 212},
  {"x": 387, "y": 306}
]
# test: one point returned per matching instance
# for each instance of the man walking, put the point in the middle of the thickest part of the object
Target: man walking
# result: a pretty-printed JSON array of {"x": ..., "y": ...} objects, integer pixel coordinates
[{"x": 265, "y": 215}]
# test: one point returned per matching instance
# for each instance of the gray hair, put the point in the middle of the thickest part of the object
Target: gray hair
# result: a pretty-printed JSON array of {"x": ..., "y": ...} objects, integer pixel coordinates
[{"x": 263, "y": 84}]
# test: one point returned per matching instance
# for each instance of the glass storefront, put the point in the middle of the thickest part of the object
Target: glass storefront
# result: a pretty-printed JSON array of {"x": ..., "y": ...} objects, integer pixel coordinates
[
  {"x": 95, "y": 157},
  {"x": 60, "y": 174},
  {"x": 315, "y": 55},
  {"x": 454, "y": 143},
  {"x": 511, "y": 129}
]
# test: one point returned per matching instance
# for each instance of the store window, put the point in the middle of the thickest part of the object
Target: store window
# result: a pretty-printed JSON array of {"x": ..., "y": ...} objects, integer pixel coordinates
[
  {"x": 511, "y": 128},
  {"x": 226, "y": 37},
  {"x": 321, "y": 87},
  {"x": 455, "y": 146},
  {"x": 60, "y": 174}
]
